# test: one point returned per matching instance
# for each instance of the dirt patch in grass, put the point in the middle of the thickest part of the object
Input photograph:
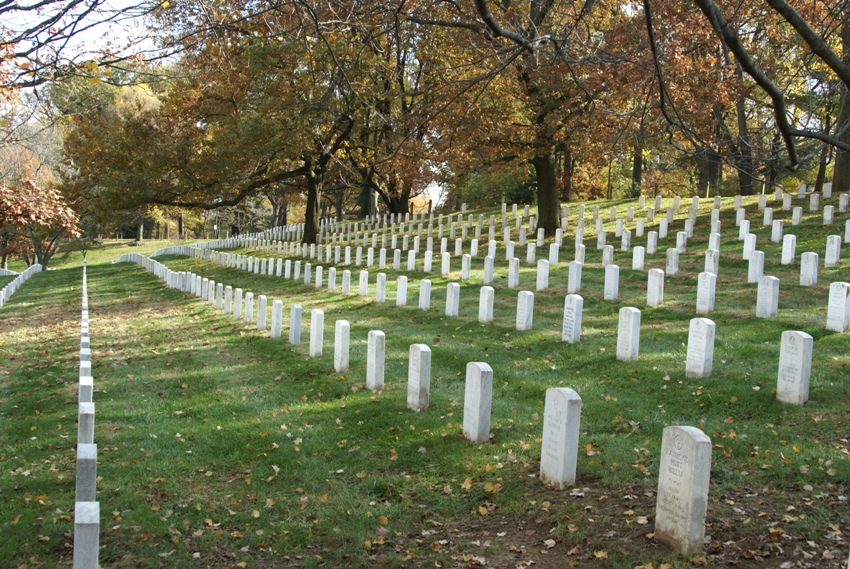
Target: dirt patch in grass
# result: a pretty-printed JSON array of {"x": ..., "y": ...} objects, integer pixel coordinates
[{"x": 614, "y": 528}]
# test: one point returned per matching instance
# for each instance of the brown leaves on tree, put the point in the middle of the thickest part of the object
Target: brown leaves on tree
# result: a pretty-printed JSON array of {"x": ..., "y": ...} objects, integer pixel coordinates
[{"x": 25, "y": 205}]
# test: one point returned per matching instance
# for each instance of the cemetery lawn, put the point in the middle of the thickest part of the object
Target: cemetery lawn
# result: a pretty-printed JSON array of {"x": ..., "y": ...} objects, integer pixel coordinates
[{"x": 221, "y": 447}]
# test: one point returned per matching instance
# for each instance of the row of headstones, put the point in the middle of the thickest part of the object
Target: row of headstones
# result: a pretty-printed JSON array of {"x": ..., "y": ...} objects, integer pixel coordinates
[
  {"x": 686, "y": 451},
  {"x": 701, "y": 334},
  {"x": 638, "y": 257},
  {"x": 766, "y": 303},
  {"x": 7, "y": 273},
  {"x": 479, "y": 374},
  {"x": 347, "y": 228},
  {"x": 358, "y": 228},
  {"x": 86, "y": 506},
  {"x": 11, "y": 288},
  {"x": 699, "y": 361},
  {"x": 685, "y": 466},
  {"x": 767, "y": 299},
  {"x": 562, "y": 411},
  {"x": 268, "y": 245},
  {"x": 371, "y": 223}
]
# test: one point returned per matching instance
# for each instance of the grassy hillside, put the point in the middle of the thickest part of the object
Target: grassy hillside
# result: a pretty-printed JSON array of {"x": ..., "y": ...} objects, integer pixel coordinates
[{"x": 222, "y": 447}]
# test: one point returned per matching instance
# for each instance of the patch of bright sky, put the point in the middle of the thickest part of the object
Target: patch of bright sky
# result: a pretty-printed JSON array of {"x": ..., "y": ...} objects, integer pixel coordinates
[{"x": 114, "y": 27}]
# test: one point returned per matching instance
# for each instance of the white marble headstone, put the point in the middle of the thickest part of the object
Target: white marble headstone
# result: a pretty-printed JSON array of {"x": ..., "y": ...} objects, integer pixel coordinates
[
  {"x": 477, "y": 402},
  {"x": 628, "y": 334},
  {"x": 700, "y": 355},
  {"x": 561, "y": 429},
  {"x": 683, "y": 489},
  {"x": 419, "y": 377},
  {"x": 795, "y": 367}
]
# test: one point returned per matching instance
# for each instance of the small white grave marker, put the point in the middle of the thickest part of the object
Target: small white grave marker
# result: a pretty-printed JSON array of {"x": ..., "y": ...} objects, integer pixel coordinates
[
  {"x": 277, "y": 318},
  {"x": 424, "y": 294},
  {"x": 485, "y": 304},
  {"x": 477, "y": 402},
  {"x": 375, "y": 350},
  {"x": 683, "y": 489},
  {"x": 342, "y": 332},
  {"x": 767, "y": 300},
  {"x": 571, "y": 327},
  {"x": 795, "y": 367},
  {"x": 525, "y": 310},
  {"x": 808, "y": 269},
  {"x": 295, "y": 324},
  {"x": 262, "y": 311},
  {"x": 452, "y": 299},
  {"x": 419, "y": 377},
  {"x": 628, "y": 334},
  {"x": 706, "y": 285},
  {"x": 838, "y": 307},
  {"x": 561, "y": 428},
  {"x": 317, "y": 332},
  {"x": 655, "y": 288},
  {"x": 612, "y": 282},
  {"x": 700, "y": 356}
]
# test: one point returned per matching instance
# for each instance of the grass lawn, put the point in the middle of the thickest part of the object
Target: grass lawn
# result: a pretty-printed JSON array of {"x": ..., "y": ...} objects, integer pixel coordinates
[{"x": 222, "y": 447}]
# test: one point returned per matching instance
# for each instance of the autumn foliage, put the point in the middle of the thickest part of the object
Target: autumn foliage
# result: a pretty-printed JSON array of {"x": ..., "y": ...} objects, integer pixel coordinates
[{"x": 39, "y": 215}]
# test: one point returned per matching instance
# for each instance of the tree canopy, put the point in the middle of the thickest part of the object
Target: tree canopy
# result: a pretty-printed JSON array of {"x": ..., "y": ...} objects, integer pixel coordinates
[{"x": 347, "y": 103}]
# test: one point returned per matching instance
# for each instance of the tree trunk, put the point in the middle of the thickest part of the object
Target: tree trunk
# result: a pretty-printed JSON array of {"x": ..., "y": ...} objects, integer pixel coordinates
[
  {"x": 841, "y": 173},
  {"x": 548, "y": 208},
  {"x": 568, "y": 165},
  {"x": 141, "y": 231},
  {"x": 315, "y": 181},
  {"x": 822, "y": 163},
  {"x": 637, "y": 167},
  {"x": 283, "y": 213},
  {"x": 366, "y": 201},
  {"x": 702, "y": 172},
  {"x": 772, "y": 167},
  {"x": 709, "y": 169},
  {"x": 397, "y": 205},
  {"x": 44, "y": 254},
  {"x": 744, "y": 154},
  {"x": 180, "y": 226},
  {"x": 339, "y": 196}
]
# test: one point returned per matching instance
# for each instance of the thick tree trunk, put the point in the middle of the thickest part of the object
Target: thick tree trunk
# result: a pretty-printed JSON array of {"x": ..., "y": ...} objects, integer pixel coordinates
[
  {"x": 366, "y": 201},
  {"x": 841, "y": 172},
  {"x": 340, "y": 204},
  {"x": 822, "y": 163},
  {"x": 744, "y": 154},
  {"x": 283, "y": 213},
  {"x": 710, "y": 172},
  {"x": 546, "y": 168},
  {"x": 702, "y": 173},
  {"x": 315, "y": 181},
  {"x": 397, "y": 205},
  {"x": 773, "y": 167},
  {"x": 568, "y": 165},
  {"x": 637, "y": 167}
]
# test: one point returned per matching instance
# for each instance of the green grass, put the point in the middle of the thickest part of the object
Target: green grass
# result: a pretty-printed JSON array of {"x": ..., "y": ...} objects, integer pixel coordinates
[{"x": 219, "y": 445}]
